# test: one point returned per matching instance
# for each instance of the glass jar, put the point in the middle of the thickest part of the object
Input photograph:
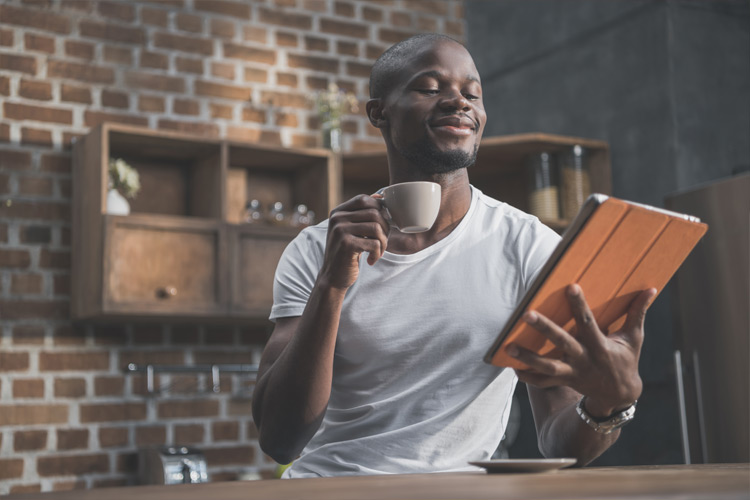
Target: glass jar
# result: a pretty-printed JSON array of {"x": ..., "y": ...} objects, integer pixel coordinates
[
  {"x": 276, "y": 215},
  {"x": 576, "y": 183},
  {"x": 253, "y": 213},
  {"x": 543, "y": 187}
]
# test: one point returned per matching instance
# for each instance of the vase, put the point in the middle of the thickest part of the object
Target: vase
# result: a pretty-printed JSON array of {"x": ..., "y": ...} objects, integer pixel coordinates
[
  {"x": 116, "y": 203},
  {"x": 332, "y": 135}
]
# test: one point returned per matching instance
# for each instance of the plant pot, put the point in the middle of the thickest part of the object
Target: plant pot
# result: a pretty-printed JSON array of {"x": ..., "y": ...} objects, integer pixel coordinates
[
  {"x": 116, "y": 203},
  {"x": 332, "y": 135}
]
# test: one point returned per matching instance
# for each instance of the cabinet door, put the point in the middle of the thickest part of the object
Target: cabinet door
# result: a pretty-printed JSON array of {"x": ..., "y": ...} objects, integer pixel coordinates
[
  {"x": 162, "y": 266},
  {"x": 255, "y": 253}
]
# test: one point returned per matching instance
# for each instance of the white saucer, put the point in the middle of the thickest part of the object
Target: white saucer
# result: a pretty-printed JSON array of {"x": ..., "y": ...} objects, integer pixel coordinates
[{"x": 524, "y": 464}]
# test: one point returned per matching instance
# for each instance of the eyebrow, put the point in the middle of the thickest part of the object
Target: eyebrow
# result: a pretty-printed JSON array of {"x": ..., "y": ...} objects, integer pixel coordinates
[{"x": 438, "y": 75}]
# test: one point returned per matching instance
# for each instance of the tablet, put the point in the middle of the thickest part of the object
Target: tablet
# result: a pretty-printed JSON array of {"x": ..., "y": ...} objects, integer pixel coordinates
[{"x": 613, "y": 249}]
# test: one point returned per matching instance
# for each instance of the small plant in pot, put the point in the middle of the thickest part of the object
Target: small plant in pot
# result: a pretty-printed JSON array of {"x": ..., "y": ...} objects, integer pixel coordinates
[{"x": 124, "y": 182}]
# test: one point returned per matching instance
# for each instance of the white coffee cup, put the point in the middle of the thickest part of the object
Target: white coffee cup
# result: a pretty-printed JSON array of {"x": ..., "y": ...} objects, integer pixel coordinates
[{"x": 412, "y": 207}]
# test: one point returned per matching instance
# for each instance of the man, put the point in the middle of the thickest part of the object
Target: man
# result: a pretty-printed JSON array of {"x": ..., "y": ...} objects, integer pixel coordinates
[{"x": 375, "y": 363}]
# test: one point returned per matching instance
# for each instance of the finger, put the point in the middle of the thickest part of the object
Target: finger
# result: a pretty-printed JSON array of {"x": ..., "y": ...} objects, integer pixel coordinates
[
  {"x": 539, "y": 364},
  {"x": 588, "y": 331},
  {"x": 359, "y": 202},
  {"x": 363, "y": 215},
  {"x": 355, "y": 245},
  {"x": 633, "y": 328},
  {"x": 562, "y": 339}
]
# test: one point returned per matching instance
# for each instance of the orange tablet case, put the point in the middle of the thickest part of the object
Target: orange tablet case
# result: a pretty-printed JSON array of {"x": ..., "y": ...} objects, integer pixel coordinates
[{"x": 614, "y": 249}]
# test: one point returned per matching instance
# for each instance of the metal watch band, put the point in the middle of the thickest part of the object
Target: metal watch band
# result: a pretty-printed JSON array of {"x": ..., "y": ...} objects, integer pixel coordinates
[{"x": 613, "y": 422}]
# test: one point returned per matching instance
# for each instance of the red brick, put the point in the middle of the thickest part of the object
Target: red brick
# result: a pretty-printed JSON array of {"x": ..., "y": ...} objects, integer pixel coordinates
[
  {"x": 235, "y": 455},
  {"x": 252, "y": 54},
  {"x": 61, "y": 284},
  {"x": 347, "y": 49},
  {"x": 239, "y": 10},
  {"x": 36, "y": 136},
  {"x": 35, "y": 18},
  {"x": 253, "y": 115},
  {"x": 15, "y": 160},
  {"x": 71, "y": 465},
  {"x": 58, "y": 164},
  {"x": 149, "y": 81},
  {"x": 39, "y": 43},
  {"x": 189, "y": 65},
  {"x": 93, "y": 118},
  {"x": 81, "y": 50},
  {"x": 109, "y": 386},
  {"x": 18, "y": 259},
  {"x": 391, "y": 36},
  {"x": 221, "y": 28},
  {"x": 26, "y": 284},
  {"x": 209, "y": 89},
  {"x": 188, "y": 409},
  {"x": 25, "y": 488},
  {"x": 29, "y": 440},
  {"x": 36, "y": 210},
  {"x": 28, "y": 335},
  {"x": 13, "y": 361},
  {"x": 70, "y": 387},
  {"x": 256, "y": 75},
  {"x": 112, "y": 412},
  {"x": 313, "y": 43},
  {"x": 6, "y": 37},
  {"x": 28, "y": 388},
  {"x": 36, "y": 235},
  {"x": 118, "y": 11},
  {"x": 189, "y": 22},
  {"x": 16, "y": 414},
  {"x": 311, "y": 62},
  {"x": 112, "y": 437},
  {"x": 11, "y": 468},
  {"x": 22, "y": 64},
  {"x": 151, "y": 358},
  {"x": 285, "y": 18},
  {"x": 73, "y": 93},
  {"x": 150, "y": 435},
  {"x": 455, "y": 28},
  {"x": 115, "y": 99},
  {"x": 154, "y": 17},
  {"x": 225, "y": 431},
  {"x": 72, "y": 439},
  {"x": 69, "y": 485},
  {"x": 372, "y": 14},
  {"x": 345, "y": 9},
  {"x": 220, "y": 111},
  {"x": 358, "y": 69},
  {"x": 287, "y": 79},
  {"x": 57, "y": 361},
  {"x": 286, "y": 39},
  {"x": 221, "y": 70},
  {"x": 35, "y": 186},
  {"x": 79, "y": 71},
  {"x": 186, "y": 107},
  {"x": 4, "y": 85},
  {"x": 112, "y": 32},
  {"x": 189, "y": 434},
  {"x": 255, "y": 34},
  {"x": 284, "y": 99},
  {"x": 154, "y": 60},
  {"x": 315, "y": 5},
  {"x": 118, "y": 55},
  {"x": 20, "y": 112},
  {"x": 345, "y": 28},
  {"x": 427, "y": 23},
  {"x": 203, "y": 46},
  {"x": 152, "y": 104}
]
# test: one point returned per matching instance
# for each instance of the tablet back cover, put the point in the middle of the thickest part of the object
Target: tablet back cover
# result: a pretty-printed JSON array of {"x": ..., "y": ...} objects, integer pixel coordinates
[{"x": 621, "y": 249}]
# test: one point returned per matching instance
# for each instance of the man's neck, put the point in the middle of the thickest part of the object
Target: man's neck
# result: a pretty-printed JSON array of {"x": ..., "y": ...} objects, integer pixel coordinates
[{"x": 455, "y": 200}]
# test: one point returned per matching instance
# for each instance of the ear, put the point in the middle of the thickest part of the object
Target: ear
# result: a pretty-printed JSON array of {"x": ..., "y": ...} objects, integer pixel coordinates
[{"x": 376, "y": 113}]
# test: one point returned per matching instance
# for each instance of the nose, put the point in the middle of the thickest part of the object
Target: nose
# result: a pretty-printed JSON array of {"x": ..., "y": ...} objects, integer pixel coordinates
[{"x": 455, "y": 100}]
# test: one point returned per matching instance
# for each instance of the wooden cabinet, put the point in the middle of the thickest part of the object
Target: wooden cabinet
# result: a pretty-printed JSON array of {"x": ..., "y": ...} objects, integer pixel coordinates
[
  {"x": 500, "y": 170},
  {"x": 184, "y": 251}
]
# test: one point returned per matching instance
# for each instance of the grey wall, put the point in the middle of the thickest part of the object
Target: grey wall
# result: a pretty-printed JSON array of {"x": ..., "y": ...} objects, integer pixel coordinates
[{"x": 667, "y": 84}]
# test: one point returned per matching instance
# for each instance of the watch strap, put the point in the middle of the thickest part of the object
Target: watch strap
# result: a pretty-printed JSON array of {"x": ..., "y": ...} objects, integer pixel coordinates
[{"x": 608, "y": 424}]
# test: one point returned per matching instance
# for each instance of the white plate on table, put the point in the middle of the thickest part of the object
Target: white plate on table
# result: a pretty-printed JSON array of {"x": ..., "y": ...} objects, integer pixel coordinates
[{"x": 510, "y": 465}]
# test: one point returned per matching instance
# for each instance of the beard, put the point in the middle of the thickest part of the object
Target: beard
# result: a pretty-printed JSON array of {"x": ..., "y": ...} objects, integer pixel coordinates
[{"x": 430, "y": 160}]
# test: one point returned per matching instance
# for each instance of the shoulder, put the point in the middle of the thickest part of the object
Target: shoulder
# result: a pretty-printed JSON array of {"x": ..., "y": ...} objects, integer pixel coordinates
[{"x": 510, "y": 220}]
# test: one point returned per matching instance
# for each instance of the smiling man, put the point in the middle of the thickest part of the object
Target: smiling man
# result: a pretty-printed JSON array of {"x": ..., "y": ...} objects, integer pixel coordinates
[{"x": 375, "y": 363}]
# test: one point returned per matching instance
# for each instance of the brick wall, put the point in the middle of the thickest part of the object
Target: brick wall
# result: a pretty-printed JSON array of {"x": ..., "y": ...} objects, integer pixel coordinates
[{"x": 69, "y": 416}]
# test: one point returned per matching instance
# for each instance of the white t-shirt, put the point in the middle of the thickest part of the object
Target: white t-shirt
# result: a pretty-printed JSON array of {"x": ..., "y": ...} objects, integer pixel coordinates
[{"x": 410, "y": 391}]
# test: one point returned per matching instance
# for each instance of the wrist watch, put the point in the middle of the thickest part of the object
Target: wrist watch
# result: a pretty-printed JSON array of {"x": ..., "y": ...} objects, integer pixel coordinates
[{"x": 607, "y": 424}]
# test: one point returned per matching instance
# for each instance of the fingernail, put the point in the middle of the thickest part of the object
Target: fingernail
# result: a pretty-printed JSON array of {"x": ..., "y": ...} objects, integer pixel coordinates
[
  {"x": 573, "y": 290},
  {"x": 531, "y": 317}
]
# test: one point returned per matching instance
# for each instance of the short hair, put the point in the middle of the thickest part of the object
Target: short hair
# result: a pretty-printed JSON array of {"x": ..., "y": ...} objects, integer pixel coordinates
[{"x": 391, "y": 61}]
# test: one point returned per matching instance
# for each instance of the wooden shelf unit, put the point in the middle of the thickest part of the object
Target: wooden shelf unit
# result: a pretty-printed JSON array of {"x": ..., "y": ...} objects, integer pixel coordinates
[{"x": 184, "y": 252}]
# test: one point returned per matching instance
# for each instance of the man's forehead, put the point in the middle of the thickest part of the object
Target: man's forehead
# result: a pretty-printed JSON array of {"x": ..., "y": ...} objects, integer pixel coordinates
[{"x": 437, "y": 59}]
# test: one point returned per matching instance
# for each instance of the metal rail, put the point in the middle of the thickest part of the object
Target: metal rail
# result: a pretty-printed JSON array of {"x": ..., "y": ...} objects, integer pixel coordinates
[{"x": 215, "y": 371}]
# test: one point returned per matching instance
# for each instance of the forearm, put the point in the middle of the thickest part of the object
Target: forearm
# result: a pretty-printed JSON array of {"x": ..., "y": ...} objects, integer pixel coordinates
[{"x": 292, "y": 393}]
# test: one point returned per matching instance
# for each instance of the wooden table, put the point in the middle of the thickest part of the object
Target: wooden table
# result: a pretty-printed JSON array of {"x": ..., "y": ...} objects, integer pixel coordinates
[{"x": 684, "y": 482}]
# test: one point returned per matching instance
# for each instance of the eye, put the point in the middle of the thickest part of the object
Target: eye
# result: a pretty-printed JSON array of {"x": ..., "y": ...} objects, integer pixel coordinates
[
  {"x": 471, "y": 97},
  {"x": 429, "y": 91}
]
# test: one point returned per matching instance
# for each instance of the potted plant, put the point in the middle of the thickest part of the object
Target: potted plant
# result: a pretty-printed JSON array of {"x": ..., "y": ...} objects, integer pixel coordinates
[
  {"x": 330, "y": 105},
  {"x": 123, "y": 183}
]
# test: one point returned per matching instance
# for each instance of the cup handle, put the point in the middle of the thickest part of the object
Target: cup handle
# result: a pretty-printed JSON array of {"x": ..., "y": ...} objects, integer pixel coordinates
[{"x": 384, "y": 209}]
